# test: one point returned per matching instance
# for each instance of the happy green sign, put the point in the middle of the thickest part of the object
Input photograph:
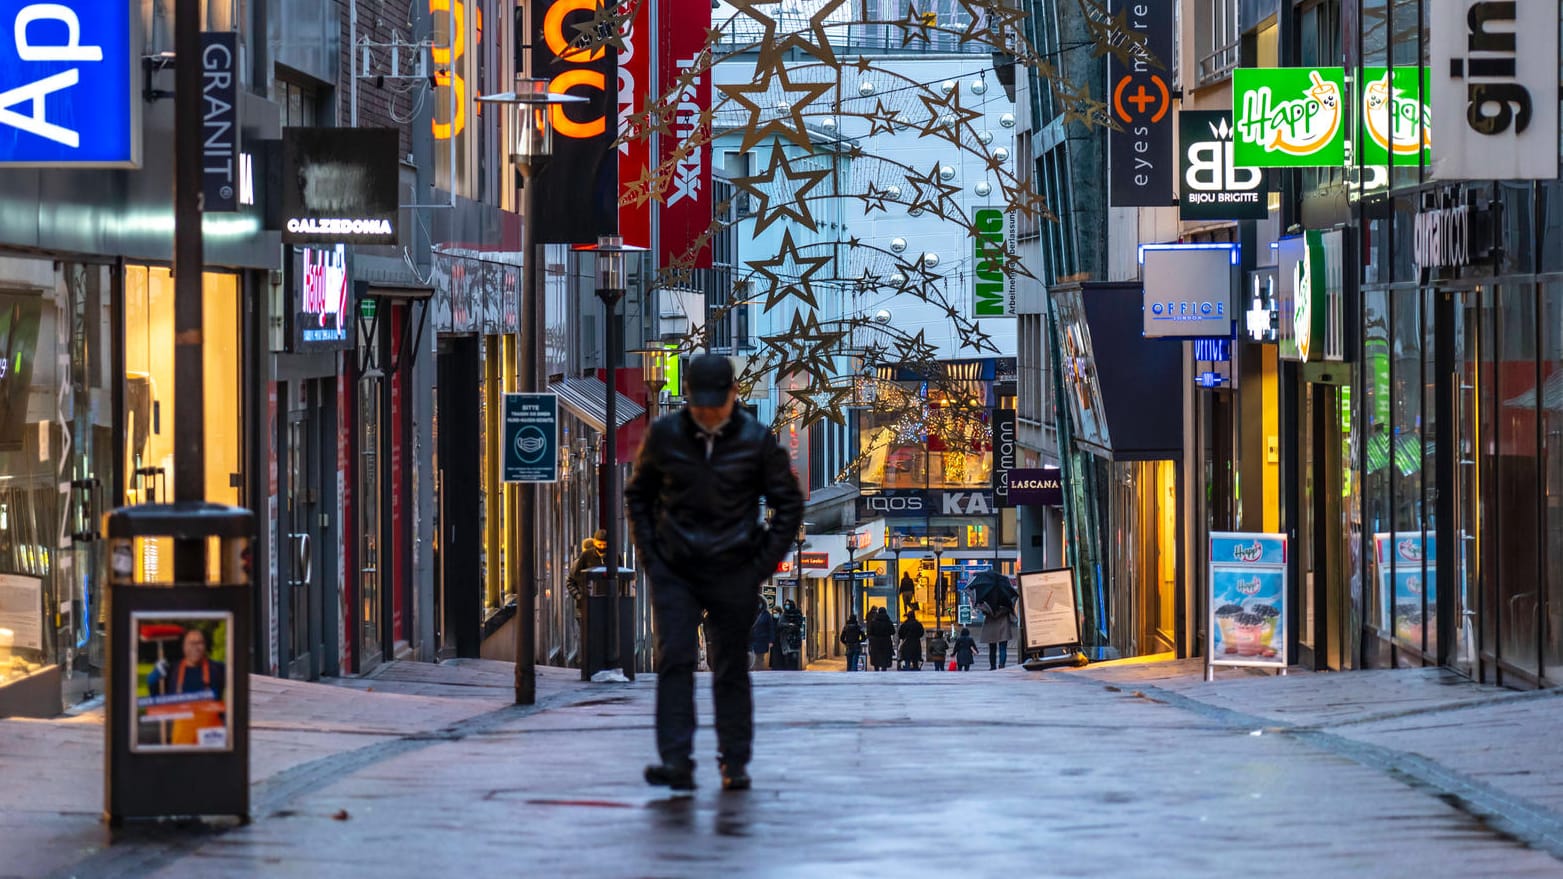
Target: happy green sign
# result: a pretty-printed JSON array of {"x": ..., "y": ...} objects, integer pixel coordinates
[
  {"x": 1289, "y": 117},
  {"x": 1397, "y": 116}
]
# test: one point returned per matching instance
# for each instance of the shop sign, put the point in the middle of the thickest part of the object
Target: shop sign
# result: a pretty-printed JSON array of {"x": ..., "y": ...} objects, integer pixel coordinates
[
  {"x": 70, "y": 90},
  {"x": 1261, "y": 321},
  {"x": 1408, "y": 583},
  {"x": 1308, "y": 307},
  {"x": 1312, "y": 296},
  {"x": 219, "y": 121},
  {"x": 1443, "y": 237},
  {"x": 1248, "y": 613},
  {"x": 1397, "y": 121},
  {"x": 1290, "y": 117},
  {"x": 1188, "y": 289},
  {"x": 1215, "y": 187},
  {"x": 918, "y": 503},
  {"x": 683, "y": 57},
  {"x": 1495, "y": 92},
  {"x": 1047, "y": 609},
  {"x": 1139, "y": 148},
  {"x": 578, "y": 200},
  {"x": 994, "y": 281},
  {"x": 1036, "y": 486},
  {"x": 814, "y": 561},
  {"x": 1213, "y": 350},
  {"x": 531, "y": 437},
  {"x": 322, "y": 321},
  {"x": 339, "y": 185},
  {"x": 1005, "y": 455}
]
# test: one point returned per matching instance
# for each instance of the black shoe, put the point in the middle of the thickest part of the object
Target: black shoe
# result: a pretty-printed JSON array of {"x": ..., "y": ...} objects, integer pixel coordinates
[
  {"x": 678, "y": 776},
  {"x": 735, "y": 777}
]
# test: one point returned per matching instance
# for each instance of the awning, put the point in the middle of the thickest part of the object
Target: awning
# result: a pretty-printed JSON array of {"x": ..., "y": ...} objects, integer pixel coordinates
[{"x": 586, "y": 398}]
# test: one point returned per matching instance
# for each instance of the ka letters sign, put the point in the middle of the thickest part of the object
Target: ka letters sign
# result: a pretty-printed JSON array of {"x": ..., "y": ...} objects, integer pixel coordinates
[{"x": 68, "y": 85}]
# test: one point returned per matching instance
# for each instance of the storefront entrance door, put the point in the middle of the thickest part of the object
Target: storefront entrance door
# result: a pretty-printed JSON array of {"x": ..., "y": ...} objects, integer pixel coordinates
[
  {"x": 1322, "y": 613},
  {"x": 304, "y": 538}
]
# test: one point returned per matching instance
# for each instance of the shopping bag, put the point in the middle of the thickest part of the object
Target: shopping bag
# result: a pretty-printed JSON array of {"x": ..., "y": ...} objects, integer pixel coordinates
[{"x": 952, "y": 665}]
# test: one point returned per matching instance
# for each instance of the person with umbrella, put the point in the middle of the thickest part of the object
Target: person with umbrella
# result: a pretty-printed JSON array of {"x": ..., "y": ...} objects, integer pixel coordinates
[{"x": 995, "y": 597}]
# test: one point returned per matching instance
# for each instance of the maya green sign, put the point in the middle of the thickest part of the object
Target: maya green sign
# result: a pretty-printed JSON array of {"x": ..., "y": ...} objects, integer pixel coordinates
[
  {"x": 993, "y": 293},
  {"x": 1289, "y": 117},
  {"x": 1397, "y": 116}
]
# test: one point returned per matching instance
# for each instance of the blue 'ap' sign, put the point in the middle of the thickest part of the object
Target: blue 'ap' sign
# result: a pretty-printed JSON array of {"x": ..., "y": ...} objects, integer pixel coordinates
[{"x": 67, "y": 84}]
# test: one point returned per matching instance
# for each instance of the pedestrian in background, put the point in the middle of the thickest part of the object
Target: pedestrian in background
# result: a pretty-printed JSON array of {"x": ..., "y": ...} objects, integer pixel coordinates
[
  {"x": 965, "y": 648},
  {"x": 998, "y": 626},
  {"x": 576, "y": 582},
  {"x": 938, "y": 649},
  {"x": 907, "y": 591},
  {"x": 694, "y": 510},
  {"x": 852, "y": 638},
  {"x": 881, "y": 639},
  {"x": 761, "y": 634},
  {"x": 777, "y": 663},
  {"x": 911, "y": 635}
]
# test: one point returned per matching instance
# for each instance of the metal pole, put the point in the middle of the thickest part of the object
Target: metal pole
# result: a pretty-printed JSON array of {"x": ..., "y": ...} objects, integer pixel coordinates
[
  {"x": 610, "y": 470},
  {"x": 189, "y": 401},
  {"x": 528, "y": 357}
]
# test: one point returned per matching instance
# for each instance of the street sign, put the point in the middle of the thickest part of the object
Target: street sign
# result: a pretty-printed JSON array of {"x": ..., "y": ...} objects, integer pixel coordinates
[
  {"x": 70, "y": 84},
  {"x": 531, "y": 438}
]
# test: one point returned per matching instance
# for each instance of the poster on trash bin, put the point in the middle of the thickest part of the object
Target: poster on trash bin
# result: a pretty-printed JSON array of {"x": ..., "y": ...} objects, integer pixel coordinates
[
  {"x": 183, "y": 681},
  {"x": 1247, "y": 622},
  {"x": 1047, "y": 603}
]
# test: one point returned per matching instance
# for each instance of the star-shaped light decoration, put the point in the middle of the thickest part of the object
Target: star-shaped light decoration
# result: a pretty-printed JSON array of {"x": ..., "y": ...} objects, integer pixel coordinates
[
  {"x": 873, "y": 199},
  {"x": 915, "y": 349},
  {"x": 1079, "y": 106},
  {"x": 789, "y": 273},
  {"x": 932, "y": 193},
  {"x": 946, "y": 116},
  {"x": 791, "y": 185},
  {"x": 914, "y": 26},
  {"x": 992, "y": 22},
  {"x": 760, "y": 124},
  {"x": 773, "y": 49},
  {"x": 805, "y": 347},
  {"x": 1110, "y": 34},
  {"x": 820, "y": 403},
  {"x": 606, "y": 27},
  {"x": 881, "y": 120}
]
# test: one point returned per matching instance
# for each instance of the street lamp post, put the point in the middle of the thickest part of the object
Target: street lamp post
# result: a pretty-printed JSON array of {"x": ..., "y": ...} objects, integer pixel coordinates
[
  {"x": 938, "y": 585},
  {"x": 530, "y": 116},
  {"x": 897, "y": 542},
  {"x": 610, "y": 251}
]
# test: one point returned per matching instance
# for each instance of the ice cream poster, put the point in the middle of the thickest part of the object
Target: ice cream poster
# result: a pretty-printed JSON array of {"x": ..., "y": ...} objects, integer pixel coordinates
[
  {"x": 1248, "y": 599},
  {"x": 1408, "y": 580}
]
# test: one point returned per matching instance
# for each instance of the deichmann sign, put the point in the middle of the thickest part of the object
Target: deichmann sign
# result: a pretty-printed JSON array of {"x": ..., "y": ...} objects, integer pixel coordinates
[
  {"x": 531, "y": 438},
  {"x": 219, "y": 121},
  {"x": 70, "y": 84},
  {"x": 1188, "y": 289},
  {"x": 1495, "y": 89},
  {"x": 339, "y": 186},
  {"x": 993, "y": 293},
  {"x": 1140, "y": 148},
  {"x": 1005, "y": 454},
  {"x": 1214, "y": 186},
  {"x": 1290, "y": 117}
]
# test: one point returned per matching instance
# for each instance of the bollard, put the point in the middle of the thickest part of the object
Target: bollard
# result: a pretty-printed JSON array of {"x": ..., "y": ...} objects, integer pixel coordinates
[{"x": 176, "y": 719}]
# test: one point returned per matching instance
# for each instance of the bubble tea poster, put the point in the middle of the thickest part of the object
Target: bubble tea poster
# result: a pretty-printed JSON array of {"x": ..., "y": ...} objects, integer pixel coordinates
[{"x": 1248, "y": 599}]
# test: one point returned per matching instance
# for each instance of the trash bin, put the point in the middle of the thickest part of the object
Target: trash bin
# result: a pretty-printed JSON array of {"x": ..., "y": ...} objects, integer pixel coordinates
[
  {"x": 609, "y": 627},
  {"x": 176, "y": 721}
]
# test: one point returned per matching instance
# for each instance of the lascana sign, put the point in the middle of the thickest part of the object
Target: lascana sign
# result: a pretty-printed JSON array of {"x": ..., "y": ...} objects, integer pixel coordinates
[
  {"x": 1290, "y": 117},
  {"x": 1495, "y": 89},
  {"x": 68, "y": 85}
]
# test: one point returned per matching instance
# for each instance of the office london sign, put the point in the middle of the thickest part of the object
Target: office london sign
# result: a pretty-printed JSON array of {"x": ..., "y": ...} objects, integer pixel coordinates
[
  {"x": 1290, "y": 117},
  {"x": 69, "y": 84}
]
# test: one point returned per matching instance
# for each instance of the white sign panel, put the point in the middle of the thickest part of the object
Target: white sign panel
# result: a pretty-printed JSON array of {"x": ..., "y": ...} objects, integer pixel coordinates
[
  {"x": 1495, "y": 89},
  {"x": 1188, "y": 289},
  {"x": 1047, "y": 604}
]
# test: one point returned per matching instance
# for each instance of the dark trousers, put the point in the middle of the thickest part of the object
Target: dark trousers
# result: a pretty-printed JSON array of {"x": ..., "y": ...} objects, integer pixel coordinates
[
  {"x": 997, "y": 654},
  {"x": 729, "y": 608}
]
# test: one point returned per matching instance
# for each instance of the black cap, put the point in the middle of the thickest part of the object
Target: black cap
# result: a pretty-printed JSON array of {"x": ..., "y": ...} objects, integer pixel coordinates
[{"x": 708, "y": 378}]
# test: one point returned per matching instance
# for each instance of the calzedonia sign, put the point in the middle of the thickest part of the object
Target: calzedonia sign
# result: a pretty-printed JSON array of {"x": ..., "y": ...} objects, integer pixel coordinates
[
  {"x": 339, "y": 186},
  {"x": 70, "y": 83},
  {"x": 1214, "y": 186}
]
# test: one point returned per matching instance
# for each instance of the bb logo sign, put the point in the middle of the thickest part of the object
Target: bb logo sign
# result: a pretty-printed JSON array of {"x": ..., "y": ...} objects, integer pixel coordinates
[{"x": 1215, "y": 187}]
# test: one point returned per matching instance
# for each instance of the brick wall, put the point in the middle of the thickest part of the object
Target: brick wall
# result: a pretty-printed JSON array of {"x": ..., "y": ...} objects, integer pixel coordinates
[{"x": 379, "y": 106}]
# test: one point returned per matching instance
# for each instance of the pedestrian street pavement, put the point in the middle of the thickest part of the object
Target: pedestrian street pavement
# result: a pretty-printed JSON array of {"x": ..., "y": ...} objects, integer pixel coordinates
[{"x": 1113, "y": 770}]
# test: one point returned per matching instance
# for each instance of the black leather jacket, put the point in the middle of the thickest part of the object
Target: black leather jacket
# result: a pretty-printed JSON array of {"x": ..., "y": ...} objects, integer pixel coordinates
[{"x": 694, "y": 500}]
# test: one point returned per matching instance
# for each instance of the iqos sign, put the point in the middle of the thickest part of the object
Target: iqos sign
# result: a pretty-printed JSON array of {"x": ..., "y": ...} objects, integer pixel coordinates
[{"x": 68, "y": 85}]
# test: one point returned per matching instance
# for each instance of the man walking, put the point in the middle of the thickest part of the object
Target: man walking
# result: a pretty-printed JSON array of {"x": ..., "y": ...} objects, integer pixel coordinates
[{"x": 694, "y": 509}]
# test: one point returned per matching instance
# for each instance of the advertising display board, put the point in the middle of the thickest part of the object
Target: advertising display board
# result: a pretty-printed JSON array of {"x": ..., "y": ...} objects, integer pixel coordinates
[
  {"x": 1188, "y": 289},
  {"x": 184, "y": 682},
  {"x": 339, "y": 186},
  {"x": 1047, "y": 609},
  {"x": 531, "y": 437},
  {"x": 1405, "y": 583},
  {"x": 322, "y": 315},
  {"x": 1248, "y": 613},
  {"x": 994, "y": 281}
]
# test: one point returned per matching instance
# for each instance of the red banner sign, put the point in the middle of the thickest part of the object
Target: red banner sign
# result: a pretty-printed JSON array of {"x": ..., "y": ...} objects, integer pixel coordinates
[
  {"x": 686, "y": 203},
  {"x": 635, "y": 150}
]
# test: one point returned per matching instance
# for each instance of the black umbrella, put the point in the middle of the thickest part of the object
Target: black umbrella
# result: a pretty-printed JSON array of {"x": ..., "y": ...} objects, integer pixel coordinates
[{"x": 993, "y": 589}]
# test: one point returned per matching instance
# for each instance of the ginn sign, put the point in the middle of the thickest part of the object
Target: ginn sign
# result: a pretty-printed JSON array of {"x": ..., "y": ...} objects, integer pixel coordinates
[{"x": 571, "y": 77}]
